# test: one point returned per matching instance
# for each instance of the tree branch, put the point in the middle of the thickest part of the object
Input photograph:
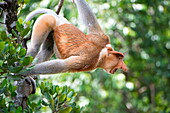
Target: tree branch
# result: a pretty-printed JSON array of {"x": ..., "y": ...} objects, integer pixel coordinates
[
  {"x": 152, "y": 95},
  {"x": 10, "y": 8},
  {"x": 60, "y": 4}
]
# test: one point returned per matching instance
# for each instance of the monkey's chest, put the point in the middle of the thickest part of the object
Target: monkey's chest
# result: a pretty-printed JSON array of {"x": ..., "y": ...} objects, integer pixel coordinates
[{"x": 70, "y": 41}]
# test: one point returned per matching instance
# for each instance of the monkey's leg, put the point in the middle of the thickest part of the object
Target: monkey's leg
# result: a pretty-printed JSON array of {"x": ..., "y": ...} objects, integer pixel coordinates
[
  {"x": 46, "y": 50},
  {"x": 42, "y": 27}
]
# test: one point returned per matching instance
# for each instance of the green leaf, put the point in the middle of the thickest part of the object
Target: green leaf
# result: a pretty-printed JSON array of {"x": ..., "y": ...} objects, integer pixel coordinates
[
  {"x": 2, "y": 103},
  {"x": 1, "y": 70},
  {"x": 6, "y": 49},
  {"x": 44, "y": 103},
  {"x": 46, "y": 89},
  {"x": 2, "y": 46},
  {"x": 4, "y": 82},
  {"x": 26, "y": 1},
  {"x": 76, "y": 110},
  {"x": 13, "y": 88},
  {"x": 62, "y": 97},
  {"x": 66, "y": 110},
  {"x": 1, "y": 62},
  {"x": 2, "y": 90},
  {"x": 6, "y": 92},
  {"x": 13, "y": 94},
  {"x": 57, "y": 89},
  {"x": 22, "y": 52},
  {"x": 20, "y": 20},
  {"x": 9, "y": 35},
  {"x": 27, "y": 60},
  {"x": 19, "y": 26},
  {"x": 47, "y": 96},
  {"x": 52, "y": 90},
  {"x": 12, "y": 50},
  {"x": 25, "y": 31},
  {"x": 70, "y": 94},
  {"x": 19, "y": 110},
  {"x": 42, "y": 87},
  {"x": 15, "y": 33},
  {"x": 3, "y": 35}
]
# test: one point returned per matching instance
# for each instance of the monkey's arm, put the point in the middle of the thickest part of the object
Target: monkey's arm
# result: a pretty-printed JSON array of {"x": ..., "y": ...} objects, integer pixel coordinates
[
  {"x": 87, "y": 16},
  {"x": 70, "y": 64}
]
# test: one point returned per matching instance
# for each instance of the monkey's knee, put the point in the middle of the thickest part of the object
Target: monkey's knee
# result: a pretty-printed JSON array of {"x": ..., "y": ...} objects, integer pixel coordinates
[{"x": 33, "y": 50}]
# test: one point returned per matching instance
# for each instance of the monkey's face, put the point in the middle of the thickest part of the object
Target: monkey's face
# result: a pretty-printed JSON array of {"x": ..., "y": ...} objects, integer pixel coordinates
[{"x": 114, "y": 61}]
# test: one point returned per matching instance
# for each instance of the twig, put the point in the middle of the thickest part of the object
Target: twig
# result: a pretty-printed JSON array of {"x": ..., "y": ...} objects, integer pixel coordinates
[
  {"x": 152, "y": 95},
  {"x": 60, "y": 4}
]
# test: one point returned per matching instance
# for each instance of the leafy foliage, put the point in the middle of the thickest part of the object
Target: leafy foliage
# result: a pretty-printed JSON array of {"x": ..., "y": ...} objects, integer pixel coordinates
[
  {"x": 12, "y": 61},
  {"x": 12, "y": 55},
  {"x": 58, "y": 99}
]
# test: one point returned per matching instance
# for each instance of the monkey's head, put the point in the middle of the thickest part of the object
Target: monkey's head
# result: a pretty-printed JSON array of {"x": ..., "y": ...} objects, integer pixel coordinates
[{"x": 113, "y": 60}]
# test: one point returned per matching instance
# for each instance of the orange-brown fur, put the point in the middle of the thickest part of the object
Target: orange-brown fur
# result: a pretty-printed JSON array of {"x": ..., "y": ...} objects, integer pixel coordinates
[
  {"x": 75, "y": 50},
  {"x": 70, "y": 41}
]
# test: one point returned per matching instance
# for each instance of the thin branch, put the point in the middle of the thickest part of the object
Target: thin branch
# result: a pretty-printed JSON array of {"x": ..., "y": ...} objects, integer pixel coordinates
[
  {"x": 152, "y": 95},
  {"x": 60, "y": 4}
]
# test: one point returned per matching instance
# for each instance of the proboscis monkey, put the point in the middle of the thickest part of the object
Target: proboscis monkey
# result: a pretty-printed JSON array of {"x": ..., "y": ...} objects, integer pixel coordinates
[{"x": 75, "y": 50}]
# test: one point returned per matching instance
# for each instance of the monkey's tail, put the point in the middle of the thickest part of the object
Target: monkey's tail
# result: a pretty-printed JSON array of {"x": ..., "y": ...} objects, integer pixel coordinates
[{"x": 40, "y": 11}]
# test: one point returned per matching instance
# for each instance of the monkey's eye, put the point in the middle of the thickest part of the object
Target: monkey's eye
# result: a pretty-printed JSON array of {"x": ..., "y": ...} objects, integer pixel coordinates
[{"x": 119, "y": 56}]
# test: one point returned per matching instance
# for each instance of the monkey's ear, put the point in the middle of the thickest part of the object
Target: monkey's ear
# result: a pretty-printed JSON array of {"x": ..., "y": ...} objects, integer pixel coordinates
[{"x": 116, "y": 53}]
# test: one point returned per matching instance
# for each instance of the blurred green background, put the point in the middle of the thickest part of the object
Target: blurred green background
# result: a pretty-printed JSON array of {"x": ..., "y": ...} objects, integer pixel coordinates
[{"x": 141, "y": 30}]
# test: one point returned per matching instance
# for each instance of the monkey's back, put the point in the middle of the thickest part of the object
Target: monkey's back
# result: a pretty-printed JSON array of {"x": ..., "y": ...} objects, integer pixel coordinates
[{"x": 70, "y": 41}]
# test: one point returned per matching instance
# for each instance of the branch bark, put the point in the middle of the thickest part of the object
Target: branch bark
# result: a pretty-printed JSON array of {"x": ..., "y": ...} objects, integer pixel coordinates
[
  {"x": 152, "y": 95},
  {"x": 10, "y": 8},
  {"x": 60, "y": 4}
]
